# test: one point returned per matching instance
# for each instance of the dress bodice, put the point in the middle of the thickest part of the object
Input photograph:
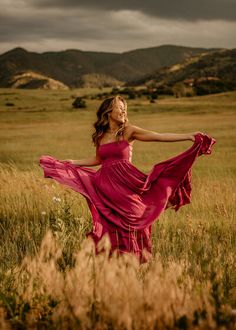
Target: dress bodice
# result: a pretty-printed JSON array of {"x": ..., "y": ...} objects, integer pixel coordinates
[{"x": 114, "y": 151}]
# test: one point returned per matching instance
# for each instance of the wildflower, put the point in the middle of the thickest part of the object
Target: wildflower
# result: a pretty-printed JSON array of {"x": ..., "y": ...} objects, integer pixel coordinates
[
  {"x": 43, "y": 213},
  {"x": 56, "y": 199}
]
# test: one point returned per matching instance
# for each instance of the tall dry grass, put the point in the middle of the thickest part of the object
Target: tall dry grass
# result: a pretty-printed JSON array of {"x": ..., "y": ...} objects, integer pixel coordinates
[
  {"x": 49, "y": 276},
  {"x": 103, "y": 293}
]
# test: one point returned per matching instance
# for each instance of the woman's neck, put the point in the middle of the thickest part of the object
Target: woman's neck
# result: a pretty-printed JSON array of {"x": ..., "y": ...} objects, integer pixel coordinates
[
  {"x": 112, "y": 131},
  {"x": 113, "y": 127}
]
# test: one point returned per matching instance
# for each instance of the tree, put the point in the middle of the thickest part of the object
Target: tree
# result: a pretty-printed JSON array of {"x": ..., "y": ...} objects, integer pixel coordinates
[{"x": 79, "y": 102}]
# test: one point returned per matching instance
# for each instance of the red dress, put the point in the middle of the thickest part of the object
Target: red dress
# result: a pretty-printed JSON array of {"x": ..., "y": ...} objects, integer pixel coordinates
[{"x": 124, "y": 202}]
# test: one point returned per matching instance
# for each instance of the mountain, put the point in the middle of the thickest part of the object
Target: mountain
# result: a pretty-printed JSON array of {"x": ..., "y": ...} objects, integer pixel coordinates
[
  {"x": 71, "y": 66},
  {"x": 216, "y": 68}
]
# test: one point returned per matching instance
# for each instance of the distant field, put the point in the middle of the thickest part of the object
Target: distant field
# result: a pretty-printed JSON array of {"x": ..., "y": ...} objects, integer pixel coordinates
[
  {"x": 200, "y": 236},
  {"x": 44, "y": 122}
]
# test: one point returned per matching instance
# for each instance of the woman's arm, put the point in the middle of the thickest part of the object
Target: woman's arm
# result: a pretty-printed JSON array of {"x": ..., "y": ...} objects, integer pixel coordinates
[
  {"x": 84, "y": 162},
  {"x": 145, "y": 135}
]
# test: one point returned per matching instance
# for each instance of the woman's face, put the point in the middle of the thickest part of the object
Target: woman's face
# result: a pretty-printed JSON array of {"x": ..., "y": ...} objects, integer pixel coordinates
[{"x": 118, "y": 113}]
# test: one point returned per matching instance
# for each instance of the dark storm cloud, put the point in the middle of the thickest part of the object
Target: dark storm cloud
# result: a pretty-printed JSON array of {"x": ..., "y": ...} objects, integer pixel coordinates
[
  {"x": 53, "y": 29},
  {"x": 41, "y": 25},
  {"x": 50, "y": 26},
  {"x": 175, "y": 9}
]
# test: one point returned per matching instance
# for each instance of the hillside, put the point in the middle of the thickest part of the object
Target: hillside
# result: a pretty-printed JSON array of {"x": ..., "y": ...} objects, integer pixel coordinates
[
  {"x": 70, "y": 66},
  {"x": 217, "y": 68},
  {"x": 31, "y": 80}
]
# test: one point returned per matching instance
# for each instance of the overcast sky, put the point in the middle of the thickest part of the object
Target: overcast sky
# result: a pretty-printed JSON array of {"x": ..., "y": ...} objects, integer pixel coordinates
[{"x": 116, "y": 26}]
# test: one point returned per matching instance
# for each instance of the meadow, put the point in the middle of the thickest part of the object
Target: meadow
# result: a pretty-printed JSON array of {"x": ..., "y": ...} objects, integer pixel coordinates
[{"x": 49, "y": 275}]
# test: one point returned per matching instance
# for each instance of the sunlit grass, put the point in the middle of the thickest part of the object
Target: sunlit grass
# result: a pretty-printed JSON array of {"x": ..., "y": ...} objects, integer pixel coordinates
[{"x": 49, "y": 276}]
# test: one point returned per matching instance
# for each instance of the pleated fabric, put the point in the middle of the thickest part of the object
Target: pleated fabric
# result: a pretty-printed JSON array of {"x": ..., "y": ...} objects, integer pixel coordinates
[{"x": 124, "y": 201}]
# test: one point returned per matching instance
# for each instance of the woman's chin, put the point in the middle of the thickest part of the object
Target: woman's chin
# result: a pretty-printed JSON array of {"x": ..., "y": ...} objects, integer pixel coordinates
[{"x": 121, "y": 121}]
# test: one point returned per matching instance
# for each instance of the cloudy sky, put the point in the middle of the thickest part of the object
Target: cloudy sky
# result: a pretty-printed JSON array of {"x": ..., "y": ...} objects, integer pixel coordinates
[{"x": 116, "y": 26}]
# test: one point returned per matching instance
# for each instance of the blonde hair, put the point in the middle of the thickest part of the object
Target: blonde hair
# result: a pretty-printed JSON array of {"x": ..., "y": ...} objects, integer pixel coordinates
[{"x": 102, "y": 123}]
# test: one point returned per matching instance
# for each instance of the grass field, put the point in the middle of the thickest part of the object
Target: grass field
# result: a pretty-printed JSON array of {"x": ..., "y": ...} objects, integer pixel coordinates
[{"x": 49, "y": 276}]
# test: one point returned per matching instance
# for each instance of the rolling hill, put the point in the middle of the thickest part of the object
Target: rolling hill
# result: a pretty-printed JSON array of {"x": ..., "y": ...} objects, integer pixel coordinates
[
  {"x": 218, "y": 68},
  {"x": 31, "y": 80},
  {"x": 72, "y": 67}
]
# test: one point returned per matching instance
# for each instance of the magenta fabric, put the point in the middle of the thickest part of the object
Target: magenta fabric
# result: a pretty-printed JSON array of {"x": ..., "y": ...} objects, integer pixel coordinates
[{"x": 124, "y": 202}]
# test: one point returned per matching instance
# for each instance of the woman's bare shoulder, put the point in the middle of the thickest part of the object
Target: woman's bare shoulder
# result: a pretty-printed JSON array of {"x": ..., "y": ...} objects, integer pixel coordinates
[
  {"x": 130, "y": 128},
  {"x": 128, "y": 132}
]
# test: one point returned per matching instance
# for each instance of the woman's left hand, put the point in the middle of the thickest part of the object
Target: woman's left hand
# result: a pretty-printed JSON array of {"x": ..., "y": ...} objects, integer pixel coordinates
[
  {"x": 195, "y": 133},
  {"x": 67, "y": 160}
]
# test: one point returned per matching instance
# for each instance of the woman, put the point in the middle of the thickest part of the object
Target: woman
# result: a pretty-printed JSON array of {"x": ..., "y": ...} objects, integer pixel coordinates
[{"x": 124, "y": 202}]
